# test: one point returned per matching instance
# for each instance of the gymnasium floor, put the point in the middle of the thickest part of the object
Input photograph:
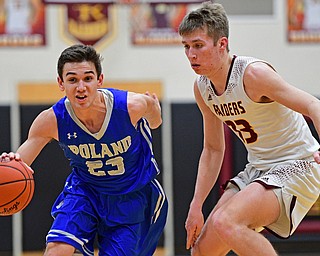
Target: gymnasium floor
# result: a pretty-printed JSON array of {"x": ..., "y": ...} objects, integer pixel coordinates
[{"x": 161, "y": 252}]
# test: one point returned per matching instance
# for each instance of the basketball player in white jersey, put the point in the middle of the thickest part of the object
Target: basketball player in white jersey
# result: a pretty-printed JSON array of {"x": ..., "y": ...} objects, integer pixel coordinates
[
  {"x": 19, "y": 16},
  {"x": 311, "y": 15},
  {"x": 280, "y": 183}
]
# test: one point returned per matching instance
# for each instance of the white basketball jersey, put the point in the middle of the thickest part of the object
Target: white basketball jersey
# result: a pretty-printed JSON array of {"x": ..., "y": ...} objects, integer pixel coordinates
[
  {"x": 271, "y": 132},
  {"x": 311, "y": 14},
  {"x": 18, "y": 17}
]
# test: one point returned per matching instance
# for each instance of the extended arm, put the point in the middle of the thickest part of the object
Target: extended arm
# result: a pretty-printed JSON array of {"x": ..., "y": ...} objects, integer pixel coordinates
[
  {"x": 262, "y": 82},
  {"x": 208, "y": 170},
  {"x": 144, "y": 105}
]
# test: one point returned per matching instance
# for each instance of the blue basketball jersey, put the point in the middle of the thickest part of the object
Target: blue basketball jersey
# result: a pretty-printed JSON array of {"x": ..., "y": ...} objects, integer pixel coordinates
[{"x": 116, "y": 160}]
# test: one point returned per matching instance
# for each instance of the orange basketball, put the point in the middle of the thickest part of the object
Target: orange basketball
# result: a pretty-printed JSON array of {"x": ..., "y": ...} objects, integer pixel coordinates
[{"x": 16, "y": 187}]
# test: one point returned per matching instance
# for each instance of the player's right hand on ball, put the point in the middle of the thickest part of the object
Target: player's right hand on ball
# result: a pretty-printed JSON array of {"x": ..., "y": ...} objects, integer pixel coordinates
[{"x": 6, "y": 157}]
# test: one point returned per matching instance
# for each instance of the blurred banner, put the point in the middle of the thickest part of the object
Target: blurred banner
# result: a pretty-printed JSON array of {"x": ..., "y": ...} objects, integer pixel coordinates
[
  {"x": 156, "y": 23},
  {"x": 150, "y": 23},
  {"x": 118, "y": 1},
  {"x": 90, "y": 24},
  {"x": 303, "y": 20},
  {"x": 22, "y": 23}
]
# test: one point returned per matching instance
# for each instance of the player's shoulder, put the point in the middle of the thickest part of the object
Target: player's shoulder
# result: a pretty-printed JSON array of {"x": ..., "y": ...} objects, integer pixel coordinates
[
  {"x": 258, "y": 69},
  {"x": 113, "y": 91},
  {"x": 117, "y": 96},
  {"x": 45, "y": 123},
  {"x": 248, "y": 63},
  {"x": 47, "y": 115},
  {"x": 201, "y": 84}
]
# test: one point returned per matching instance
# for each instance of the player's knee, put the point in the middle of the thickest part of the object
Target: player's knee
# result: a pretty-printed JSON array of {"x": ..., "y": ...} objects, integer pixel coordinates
[
  {"x": 50, "y": 249},
  {"x": 59, "y": 249},
  {"x": 195, "y": 251},
  {"x": 221, "y": 223}
]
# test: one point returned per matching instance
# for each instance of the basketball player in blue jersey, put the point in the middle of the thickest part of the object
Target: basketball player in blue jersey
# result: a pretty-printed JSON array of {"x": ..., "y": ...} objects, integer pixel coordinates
[
  {"x": 112, "y": 192},
  {"x": 280, "y": 183}
]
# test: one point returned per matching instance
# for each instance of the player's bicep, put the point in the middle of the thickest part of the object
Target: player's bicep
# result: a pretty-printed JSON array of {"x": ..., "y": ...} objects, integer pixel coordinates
[
  {"x": 213, "y": 132},
  {"x": 212, "y": 126},
  {"x": 263, "y": 84}
]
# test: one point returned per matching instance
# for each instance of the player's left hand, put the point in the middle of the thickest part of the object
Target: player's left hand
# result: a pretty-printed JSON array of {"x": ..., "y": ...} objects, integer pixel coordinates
[
  {"x": 153, "y": 96},
  {"x": 316, "y": 156},
  {"x": 193, "y": 226}
]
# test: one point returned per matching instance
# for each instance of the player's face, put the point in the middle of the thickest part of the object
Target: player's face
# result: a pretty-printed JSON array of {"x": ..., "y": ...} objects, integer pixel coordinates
[
  {"x": 80, "y": 83},
  {"x": 205, "y": 58}
]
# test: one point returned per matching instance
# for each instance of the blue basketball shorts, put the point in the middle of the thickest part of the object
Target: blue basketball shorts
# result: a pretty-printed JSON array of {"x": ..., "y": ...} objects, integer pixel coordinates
[{"x": 124, "y": 225}]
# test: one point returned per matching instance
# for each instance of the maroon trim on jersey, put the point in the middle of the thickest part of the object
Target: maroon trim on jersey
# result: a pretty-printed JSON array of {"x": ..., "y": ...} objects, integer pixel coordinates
[
  {"x": 224, "y": 185},
  {"x": 275, "y": 234},
  {"x": 228, "y": 77},
  {"x": 230, "y": 69},
  {"x": 267, "y": 186},
  {"x": 292, "y": 204}
]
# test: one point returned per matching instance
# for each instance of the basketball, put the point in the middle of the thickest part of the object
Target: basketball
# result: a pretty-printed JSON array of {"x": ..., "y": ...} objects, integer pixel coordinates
[{"x": 16, "y": 187}]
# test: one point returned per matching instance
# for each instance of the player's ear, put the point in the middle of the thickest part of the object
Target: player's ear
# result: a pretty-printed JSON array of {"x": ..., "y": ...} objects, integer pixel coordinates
[
  {"x": 60, "y": 83},
  {"x": 223, "y": 42},
  {"x": 100, "y": 80}
]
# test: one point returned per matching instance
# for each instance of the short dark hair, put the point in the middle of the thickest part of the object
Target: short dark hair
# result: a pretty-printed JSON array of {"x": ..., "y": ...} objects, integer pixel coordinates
[
  {"x": 79, "y": 53},
  {"x": 210, "y": 16}
]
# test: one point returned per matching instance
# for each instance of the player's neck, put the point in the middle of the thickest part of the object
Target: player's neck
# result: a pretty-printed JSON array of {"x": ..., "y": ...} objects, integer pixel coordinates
[
  {"x": 219, "y": 77},
  {"x": 93, "y": 117}
]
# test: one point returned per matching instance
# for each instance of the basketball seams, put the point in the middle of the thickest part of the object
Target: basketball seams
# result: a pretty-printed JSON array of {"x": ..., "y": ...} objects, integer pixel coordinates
[
  {"x": 26, "y": 169},
  {"x": 13, "y": 181},
  {"x": 17, "y": 169},
  {"x": 15, "y": 202},
  {"x": 19, "y": 195},
  {"x": 31, "y": 185}
]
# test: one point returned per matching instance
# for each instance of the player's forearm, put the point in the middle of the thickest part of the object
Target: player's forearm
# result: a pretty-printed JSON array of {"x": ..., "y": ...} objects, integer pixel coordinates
[
  {"x": 208, "y": 172},
  {"x": 30, "y": 149}
]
